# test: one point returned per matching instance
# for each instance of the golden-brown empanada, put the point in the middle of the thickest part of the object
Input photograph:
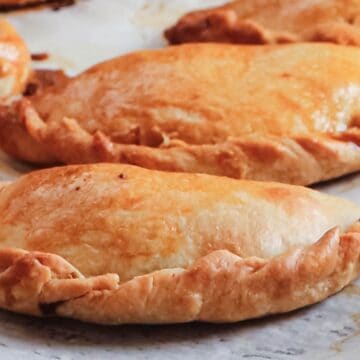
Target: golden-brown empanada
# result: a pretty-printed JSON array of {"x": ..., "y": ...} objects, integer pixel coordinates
[
  {"x": 272, "y": 21},
  {"x": 283, "y": 113},
  {"x": 15, "y": 61},
  {"x": 115, "y": 244}
]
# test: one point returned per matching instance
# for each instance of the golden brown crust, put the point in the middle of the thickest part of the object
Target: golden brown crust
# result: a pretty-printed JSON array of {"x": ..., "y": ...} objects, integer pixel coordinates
[
  {"x": 271, "y": 22},
  {"x": 30, "y": 280},
  {"x": 290, "y": 113},
  {"x": 222, "y": 287},
  {"x": 317, "y": 156},
  {"x": 15, "y": 61},
  {"x": 159, "y": 247}
]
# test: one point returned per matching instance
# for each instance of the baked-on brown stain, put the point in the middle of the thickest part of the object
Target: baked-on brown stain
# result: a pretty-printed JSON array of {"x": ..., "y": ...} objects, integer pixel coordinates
[{"x": 39, "y": 56}]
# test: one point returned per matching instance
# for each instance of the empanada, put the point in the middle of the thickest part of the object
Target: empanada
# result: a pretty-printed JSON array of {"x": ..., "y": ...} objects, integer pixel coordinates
[
  {"x": 283, "y": 113},
  {"x": 272, "y": 21},
  {"x": 9, "y": 5},
  {"x": 115, "y": 244},
  {"x": 15, "y": 61}
]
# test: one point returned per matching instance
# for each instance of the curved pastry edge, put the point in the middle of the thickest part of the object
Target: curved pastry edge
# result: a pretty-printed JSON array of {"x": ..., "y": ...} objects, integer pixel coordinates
[
  {"x": 29, "y": 280},
  {"x": 317, "y": 156},
  {"x": 219, "y": 287}
]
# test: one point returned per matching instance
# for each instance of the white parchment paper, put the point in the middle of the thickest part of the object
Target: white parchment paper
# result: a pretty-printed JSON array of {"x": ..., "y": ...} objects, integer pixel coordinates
[{"x": 76, "y": 38}]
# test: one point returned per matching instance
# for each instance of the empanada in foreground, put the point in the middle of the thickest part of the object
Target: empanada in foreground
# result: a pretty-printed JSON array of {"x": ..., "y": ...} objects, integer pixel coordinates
[
  {"x": 284, "y": 113},
  {"x": 15, "y": 61},
  {"x": 117, "y": 244},
  {"x": 271, "y": 22}
]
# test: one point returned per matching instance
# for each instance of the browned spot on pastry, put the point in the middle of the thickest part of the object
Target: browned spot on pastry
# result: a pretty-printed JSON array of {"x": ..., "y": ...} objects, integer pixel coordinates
[
  {"x": 274, "y": 193},
  {"x": 316, "y": 145},
  {"x": 267, "y": 152},
  {"x": 30, "y": 89},
  {"x": 285, "y": 75},
  {"x": 43, "y": 79},
  {"x": 286, "y": 197},
  {"x": 353, "y": 135}
]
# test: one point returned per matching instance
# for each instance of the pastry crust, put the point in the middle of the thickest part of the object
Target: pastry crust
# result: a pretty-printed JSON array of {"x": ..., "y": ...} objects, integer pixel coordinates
[
  {"x": 157, "y": 247},
  {"x": 283, "y": 113},
  {"x": 271, "y": 22},
  {"x": 10, "y": 5},
  {"x": 15, "y": 61}
]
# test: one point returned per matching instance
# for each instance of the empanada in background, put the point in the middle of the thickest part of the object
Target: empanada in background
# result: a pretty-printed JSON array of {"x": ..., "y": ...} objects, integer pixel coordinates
[
  {"x": 116, "y": 244},
  {"x": 283, "y": 113},
  {"x": 272, "y": 22},
  {"x": 9, "y": 5},
  {"x": 15, "y": 62}
]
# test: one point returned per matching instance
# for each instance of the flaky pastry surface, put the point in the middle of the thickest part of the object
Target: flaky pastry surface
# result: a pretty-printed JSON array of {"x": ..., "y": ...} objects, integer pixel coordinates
[
  {"x": 272, "y": 22},
  {"x": 117, "y": 244},
  {"x": 282, "y": 113}
]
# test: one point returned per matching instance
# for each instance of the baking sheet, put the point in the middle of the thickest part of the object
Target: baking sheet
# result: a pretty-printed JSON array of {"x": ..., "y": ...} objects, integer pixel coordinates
[{"x": 92, "y": 31}]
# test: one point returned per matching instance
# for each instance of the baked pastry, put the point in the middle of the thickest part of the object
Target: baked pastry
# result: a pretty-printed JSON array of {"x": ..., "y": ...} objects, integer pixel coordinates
[
  {"x": 283, "y": 113},
  {"x": 9, "y": 5},
  {"x": 272, "y": 21},
  {"x": 116, "y": 244},
  {"x": 15, "y": 61}
]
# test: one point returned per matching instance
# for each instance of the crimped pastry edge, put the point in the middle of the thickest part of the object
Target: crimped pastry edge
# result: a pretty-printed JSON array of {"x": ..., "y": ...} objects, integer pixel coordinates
[
  {"x": 298, "y": 159},
  {"x": 219, "y": 287}
]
